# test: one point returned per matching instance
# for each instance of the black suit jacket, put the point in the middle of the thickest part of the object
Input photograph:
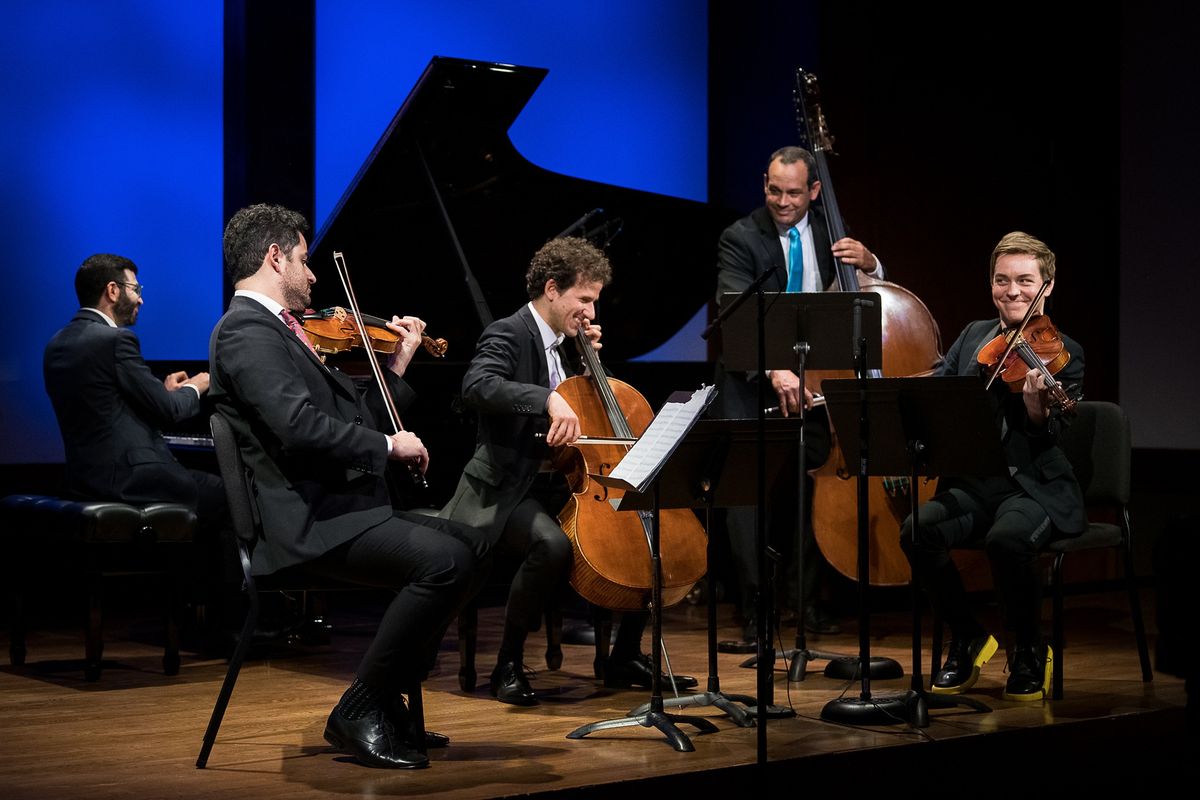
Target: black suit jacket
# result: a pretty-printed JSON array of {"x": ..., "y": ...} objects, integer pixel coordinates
[
  {"x": 110, "y": 409},
  {"x": 315, "y": 458},
  {"x": 507, "y": 384},
  {"x": 747, "y": 248},
  {"x": 1036, "y": 462}
]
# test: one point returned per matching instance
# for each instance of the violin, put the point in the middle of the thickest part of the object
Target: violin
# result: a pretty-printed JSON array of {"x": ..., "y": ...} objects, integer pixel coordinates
[
  {"x": 343, "y": 273},
  {"x": 333, "y": 330},
  {"x": 1035, "y": 345}
]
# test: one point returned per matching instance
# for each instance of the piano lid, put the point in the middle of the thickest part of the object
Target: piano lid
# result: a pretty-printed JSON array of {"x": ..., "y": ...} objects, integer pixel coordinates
[{"x": 402, "y": 256}]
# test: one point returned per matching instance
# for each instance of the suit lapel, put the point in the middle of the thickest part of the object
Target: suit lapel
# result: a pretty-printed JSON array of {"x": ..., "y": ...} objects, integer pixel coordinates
[
  {"x": 540, "y": 366},
  {"x": 768, "y": 241},
  {"x": 345, "y": 385}
]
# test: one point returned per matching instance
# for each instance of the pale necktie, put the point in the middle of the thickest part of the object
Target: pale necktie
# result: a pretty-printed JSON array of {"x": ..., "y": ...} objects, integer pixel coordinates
[
  {"x": 795, "y": 262},
  {"x": 294, "y": 324},
  {"x": 552, "y": 362}
]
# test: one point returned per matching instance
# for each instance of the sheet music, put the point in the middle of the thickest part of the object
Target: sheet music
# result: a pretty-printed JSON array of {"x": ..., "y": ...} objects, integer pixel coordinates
[{"x": 666, "y": 430}]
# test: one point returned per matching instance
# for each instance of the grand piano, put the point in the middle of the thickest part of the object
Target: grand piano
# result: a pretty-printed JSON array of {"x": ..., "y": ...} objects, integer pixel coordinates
[{"x": 442, "y": 219}]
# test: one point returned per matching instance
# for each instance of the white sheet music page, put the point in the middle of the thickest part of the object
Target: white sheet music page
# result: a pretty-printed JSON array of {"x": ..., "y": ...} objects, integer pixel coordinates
[{"x": 643, "y": 461}]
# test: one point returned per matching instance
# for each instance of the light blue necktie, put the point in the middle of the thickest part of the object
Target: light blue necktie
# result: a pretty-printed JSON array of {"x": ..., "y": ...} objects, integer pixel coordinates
[{"x": 795, "y": 262}]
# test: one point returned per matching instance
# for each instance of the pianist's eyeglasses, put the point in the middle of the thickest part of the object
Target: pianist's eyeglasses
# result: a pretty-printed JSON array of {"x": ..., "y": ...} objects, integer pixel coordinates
[{"x": 137, "y": 287}]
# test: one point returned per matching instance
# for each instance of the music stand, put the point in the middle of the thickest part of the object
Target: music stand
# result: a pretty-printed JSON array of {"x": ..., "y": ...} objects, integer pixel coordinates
[
  {"x": 919, "y": 427},
  {"x": 819, "y": 331},
  {"x": 714, "y": 467},
  {"x": 649, "y": 457}
]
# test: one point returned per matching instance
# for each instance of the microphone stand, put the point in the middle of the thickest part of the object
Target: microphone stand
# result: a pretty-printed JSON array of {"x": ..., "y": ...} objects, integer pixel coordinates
[{"x": 764, "y": 608}]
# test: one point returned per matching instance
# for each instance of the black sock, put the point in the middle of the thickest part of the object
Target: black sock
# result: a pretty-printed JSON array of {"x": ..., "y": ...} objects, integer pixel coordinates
[{"x": 359, "y": 700}]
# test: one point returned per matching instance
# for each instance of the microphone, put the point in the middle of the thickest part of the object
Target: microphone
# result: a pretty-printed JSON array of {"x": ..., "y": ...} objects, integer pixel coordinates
[{"x": 579, "y": 223}]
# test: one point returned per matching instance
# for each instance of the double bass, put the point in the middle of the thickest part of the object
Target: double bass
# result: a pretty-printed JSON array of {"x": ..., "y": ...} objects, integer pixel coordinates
[
  {"x": 611, "y": 566},
  {"x": 911, "y": 348}
]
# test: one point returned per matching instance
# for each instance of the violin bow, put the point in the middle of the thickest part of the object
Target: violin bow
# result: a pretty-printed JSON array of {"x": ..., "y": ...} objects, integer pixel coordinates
[{"x": 339, "y": 262}]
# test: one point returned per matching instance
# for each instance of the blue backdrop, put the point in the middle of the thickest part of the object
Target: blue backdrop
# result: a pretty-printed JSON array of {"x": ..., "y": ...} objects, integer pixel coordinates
[{"x": 112, "y": 139}]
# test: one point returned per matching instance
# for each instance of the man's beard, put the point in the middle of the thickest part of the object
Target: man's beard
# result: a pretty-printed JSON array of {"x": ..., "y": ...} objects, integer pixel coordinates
[
  {"x": 125, "y": 311},
  {"x": 297, "y": 298}
]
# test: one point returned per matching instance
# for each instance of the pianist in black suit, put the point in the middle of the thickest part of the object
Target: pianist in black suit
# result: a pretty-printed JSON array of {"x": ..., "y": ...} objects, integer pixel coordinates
[
  {"x": 788, "y": 228},
  {"x": 508, "y": 490},
  {"x": 316, "y": 456},
  {"x": 111, "y": 408}
]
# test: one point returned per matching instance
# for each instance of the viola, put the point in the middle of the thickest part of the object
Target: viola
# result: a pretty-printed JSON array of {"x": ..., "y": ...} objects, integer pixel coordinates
[
  {"x": 1035, "y": 345},
  {"x": 333, "y": 330}
]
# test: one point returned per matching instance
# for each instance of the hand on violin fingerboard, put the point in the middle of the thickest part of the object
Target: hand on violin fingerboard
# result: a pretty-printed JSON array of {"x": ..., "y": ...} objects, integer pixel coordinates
[
  {"x": 410, "y": 330},
  {"x": 1037, "y": 397}
]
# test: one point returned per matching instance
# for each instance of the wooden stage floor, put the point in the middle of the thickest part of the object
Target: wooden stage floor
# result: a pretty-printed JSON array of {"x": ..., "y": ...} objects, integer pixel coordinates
[{"x": 135, "y": 733}]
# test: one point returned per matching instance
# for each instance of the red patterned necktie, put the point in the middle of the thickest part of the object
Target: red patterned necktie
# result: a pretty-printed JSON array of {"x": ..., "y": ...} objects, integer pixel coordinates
[{"x": 294, "y": 324}]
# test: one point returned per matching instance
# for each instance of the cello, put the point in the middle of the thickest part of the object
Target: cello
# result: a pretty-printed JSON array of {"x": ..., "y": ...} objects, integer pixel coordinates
[
  {"x": 611, "y": 567},
  {"x": 911, "y": 348}
]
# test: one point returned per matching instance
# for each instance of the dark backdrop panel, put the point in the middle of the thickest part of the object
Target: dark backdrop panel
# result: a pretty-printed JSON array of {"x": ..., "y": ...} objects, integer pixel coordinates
[{"x": 949, "y": 134}]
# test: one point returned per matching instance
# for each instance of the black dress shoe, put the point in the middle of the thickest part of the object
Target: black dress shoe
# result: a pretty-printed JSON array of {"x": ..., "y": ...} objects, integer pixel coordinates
[
  {"x": 961, "y": 669},
  {"x": 509, "y": 685},
  {"x": 639, "y": 671},
  {"x": 373, "y": 740},
  {"x": 407, "y": 726},
  {"x": 820, "y": 623},
  {"x": 1030, "y": 674},
  {"x": 435, "y": 740}
]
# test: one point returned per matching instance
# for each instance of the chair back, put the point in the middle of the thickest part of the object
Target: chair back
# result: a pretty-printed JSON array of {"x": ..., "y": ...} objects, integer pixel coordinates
[
  {"x": 1098, "y": 444},
  {"x": 233, "y": 474}
]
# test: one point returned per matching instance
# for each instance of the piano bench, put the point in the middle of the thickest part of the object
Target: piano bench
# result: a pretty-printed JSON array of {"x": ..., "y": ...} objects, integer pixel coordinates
[{"x": 51, "y": 536}]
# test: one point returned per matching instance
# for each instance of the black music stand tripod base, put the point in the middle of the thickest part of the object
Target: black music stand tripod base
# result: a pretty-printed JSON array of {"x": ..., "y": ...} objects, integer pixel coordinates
[
  {"x": 840, "y": 667},
  {"x": 846, "y": 668},
  {"x": 664, "y": 722},
  {"x": 742, "y": 717},
  {"x": 885, "y": 709}
]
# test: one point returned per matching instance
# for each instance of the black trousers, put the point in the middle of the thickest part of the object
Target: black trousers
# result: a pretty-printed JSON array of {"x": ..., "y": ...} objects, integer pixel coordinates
[
  {"x": 434, "y": 565},
  {"x": 533, "y": 539},
  {"x": 1013, "y": 528}
]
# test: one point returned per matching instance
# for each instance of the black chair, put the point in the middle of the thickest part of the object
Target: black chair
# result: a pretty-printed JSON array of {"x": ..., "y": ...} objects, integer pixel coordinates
[
  {"x": 1098, "y": 444},
  {"x": 233, "y": 473},
  {"x": 97, "y": 540}
]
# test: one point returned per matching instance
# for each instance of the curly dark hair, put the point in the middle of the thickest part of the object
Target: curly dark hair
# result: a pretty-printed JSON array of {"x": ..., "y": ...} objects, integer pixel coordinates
[
  {"x": 565, "y": 261},
  {"x": 96, "y": 273},
  {"x": 251, "y": 232}
]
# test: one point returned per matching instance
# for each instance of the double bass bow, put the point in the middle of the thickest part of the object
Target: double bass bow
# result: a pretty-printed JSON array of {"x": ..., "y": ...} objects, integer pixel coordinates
[
  {"x": 911, "y": 347},
  {"x": 611, "y": 566}
]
